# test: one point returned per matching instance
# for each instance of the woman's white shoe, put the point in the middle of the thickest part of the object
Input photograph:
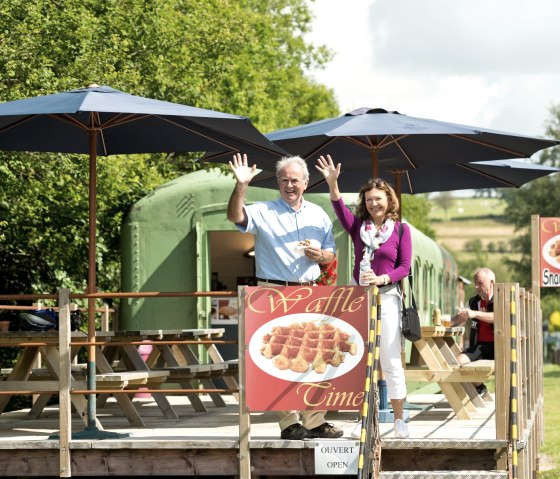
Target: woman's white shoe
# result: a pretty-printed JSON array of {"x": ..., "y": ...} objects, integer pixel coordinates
[
  {"x": 357, "y": 431},
  {"x": 401, "y": 429}
]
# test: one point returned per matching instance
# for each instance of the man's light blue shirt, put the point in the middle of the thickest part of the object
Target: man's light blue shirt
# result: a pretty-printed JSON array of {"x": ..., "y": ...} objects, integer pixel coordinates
[{"x": 278, "y": 228}]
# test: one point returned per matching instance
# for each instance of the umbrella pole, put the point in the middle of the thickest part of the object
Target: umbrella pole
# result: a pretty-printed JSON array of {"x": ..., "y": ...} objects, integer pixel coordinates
[
  {"x": 374, "y": 163},
  {"x": 91, "y": 286},
  {"x": 398, "y": 188},
  {"x": 93, "y": 429}
]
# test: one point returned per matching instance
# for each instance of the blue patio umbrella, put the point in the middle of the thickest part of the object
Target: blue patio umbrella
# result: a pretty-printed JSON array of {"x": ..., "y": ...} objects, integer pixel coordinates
[
  {"x": 99, "y": 120},
  {"x": 449, "y": 177},
  {"x": 370, "y": 142}
]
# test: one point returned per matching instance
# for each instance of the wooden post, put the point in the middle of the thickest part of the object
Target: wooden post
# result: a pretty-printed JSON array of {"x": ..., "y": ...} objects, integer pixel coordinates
[
  {"x": 244, "y": 413},
  {"x": 105, "y": 318},
  {"x": 64, "y": 382},
  {"x": 535, "y": 256},
  {"x": 502, "y": 339}
]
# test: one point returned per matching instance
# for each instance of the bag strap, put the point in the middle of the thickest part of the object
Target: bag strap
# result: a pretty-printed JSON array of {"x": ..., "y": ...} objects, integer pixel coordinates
[
  {"x": 409, "y": 273},
  {"x": 411, "y": 291}
]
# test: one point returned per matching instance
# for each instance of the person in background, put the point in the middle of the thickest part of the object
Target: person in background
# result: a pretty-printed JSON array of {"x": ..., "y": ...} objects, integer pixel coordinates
[
  {"x": 481, "y": 314},
  {"x": 381, "y": 258},
  {"x": 280, "y": 227}
]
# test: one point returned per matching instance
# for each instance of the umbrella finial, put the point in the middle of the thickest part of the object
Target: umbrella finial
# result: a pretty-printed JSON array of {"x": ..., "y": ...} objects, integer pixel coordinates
[{"x": 93, "y": 85}]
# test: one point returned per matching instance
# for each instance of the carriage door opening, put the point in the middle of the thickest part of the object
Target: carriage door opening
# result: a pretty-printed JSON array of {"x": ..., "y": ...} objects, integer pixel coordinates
[{"x": 231, "y": 264}]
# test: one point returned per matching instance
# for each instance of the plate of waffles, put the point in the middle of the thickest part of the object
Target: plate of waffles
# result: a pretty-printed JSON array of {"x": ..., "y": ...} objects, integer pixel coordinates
[
  {"x": 306, "y": 347},
  {"x": 551, "y": 251}
]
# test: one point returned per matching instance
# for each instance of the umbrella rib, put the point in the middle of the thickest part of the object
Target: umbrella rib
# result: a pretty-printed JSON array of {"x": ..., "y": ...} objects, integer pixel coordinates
[
  {"x": 487, "y": 175},
  {"x": 322, "y": 145},
  {"x": 410, "y": 188},
  {"x": 17, "y": 123},
  {"x": 369, "y": 145},
  {"x": 489, "y": 145},
  {"x": 65, "y": 117},
  {"x": 117, "y": 121},
  {"x": 61, "y": 117},
  {"x": 97, "y": 126},
  {"x": 405, "y": 154},
  {"x": 385, "y": 142},
  {"x": 390, "y": 139}
]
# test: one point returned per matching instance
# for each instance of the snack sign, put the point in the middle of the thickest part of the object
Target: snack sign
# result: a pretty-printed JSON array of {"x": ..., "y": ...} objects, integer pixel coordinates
[
  {"x": 305, "y": 347},
  {"x": 550, "y": 252}
]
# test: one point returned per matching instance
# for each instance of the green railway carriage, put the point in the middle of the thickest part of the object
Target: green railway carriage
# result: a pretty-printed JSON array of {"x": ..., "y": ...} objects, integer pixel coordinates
[{"x": 178, "y": 239}]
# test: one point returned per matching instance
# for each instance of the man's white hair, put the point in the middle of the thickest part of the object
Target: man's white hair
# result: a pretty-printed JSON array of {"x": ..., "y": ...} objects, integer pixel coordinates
[
  {"x": 487, "y": 273},
  {"x": 289, "y": 160}
]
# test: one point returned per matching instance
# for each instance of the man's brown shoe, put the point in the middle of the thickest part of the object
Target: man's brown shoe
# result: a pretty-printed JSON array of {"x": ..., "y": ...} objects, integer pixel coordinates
[{"x": 326, "y": 430}]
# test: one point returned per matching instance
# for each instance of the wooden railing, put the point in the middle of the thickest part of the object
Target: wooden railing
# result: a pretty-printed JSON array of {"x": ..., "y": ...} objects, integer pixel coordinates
[
  {"x": 519, "y": 377},
  {"x": 518, "y": 369},
  {"x": 64, "y": 383},
  {"x": 105, "y": 310}
]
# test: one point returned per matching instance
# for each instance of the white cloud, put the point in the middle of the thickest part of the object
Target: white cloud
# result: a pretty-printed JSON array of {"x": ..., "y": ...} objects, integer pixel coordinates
[{"x": 478, "y": 62}]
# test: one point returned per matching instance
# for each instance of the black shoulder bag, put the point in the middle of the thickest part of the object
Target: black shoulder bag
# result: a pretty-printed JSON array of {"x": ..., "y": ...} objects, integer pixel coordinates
[{"x": 410, "y": 320}]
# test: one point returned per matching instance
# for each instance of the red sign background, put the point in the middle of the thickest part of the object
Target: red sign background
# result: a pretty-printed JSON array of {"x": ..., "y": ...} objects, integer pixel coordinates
[
  {"x": 549, "y": 235},
  {"x": 338, "y": 387}
]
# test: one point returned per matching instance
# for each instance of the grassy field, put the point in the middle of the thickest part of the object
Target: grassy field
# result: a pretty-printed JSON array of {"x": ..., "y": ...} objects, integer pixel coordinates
[
  {"x": 470, "y": 220},
  {"x": 550, "y": 452},
  {"x": 464, "y": 208},
  {"x": 480, "y": 218}
]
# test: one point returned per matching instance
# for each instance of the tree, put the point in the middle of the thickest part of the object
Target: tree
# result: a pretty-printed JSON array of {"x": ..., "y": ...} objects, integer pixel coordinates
[
  {"x": 416, "y": 209},
  {"x": 246, "y": 57},
  {"x": 445, "y": 201},
  {"x": 540, "y": 197}
]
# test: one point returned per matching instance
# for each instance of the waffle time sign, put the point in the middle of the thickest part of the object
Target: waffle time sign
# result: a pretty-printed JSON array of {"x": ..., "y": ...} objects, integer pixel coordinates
[{"x": 305, "y": 347}]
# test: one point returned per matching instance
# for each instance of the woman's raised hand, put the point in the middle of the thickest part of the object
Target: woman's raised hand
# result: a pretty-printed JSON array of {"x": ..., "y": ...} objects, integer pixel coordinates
[
  {"x": 331, "y": 173},
  {"x": 241, "y": 170},
  {"x": 327, "y": 168}
]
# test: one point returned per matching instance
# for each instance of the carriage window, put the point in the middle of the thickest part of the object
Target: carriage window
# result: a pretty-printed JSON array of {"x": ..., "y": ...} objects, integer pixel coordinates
[{"x": 426, "y": 289}]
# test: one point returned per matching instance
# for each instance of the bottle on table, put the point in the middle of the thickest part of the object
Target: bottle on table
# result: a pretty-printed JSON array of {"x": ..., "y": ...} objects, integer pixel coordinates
[{"x": 436, "y": 317}]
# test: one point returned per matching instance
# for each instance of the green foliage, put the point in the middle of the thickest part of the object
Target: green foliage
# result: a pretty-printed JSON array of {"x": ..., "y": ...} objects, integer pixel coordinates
[
  {"x": 416, "y": 209},
  {"x": 540, "y": 197},
  {"x": 245, "y": 57},
  {"x": 551, "y": 156}
]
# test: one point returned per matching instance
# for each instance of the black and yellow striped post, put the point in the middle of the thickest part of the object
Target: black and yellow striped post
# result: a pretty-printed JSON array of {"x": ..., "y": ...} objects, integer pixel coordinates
[
  {"x": 370, "y": 443},
  {"x": 513, "y": 385}
]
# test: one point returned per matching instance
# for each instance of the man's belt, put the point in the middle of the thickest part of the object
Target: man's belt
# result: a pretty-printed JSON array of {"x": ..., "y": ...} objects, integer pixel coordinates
[{"x": 287, "y": 283}]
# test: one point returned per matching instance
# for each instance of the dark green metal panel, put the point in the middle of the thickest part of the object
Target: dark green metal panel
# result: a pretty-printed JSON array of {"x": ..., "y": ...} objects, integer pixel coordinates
[{"x": 165, "y": 247}]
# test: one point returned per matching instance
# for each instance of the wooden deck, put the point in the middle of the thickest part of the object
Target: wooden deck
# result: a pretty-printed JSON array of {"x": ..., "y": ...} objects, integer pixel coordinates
[{"x": 206, "y": 444}]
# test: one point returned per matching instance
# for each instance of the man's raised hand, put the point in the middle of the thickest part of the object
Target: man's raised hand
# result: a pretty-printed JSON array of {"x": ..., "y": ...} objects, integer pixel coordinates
[{"x": 241, "y": 170}]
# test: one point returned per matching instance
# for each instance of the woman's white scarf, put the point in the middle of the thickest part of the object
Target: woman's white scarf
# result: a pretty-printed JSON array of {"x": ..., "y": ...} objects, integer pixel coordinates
[{"x": 373, "y": 238}]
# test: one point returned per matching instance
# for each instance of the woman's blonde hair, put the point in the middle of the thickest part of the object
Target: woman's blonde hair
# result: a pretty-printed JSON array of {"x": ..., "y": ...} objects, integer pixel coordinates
[{"x": 392, "y": 200}]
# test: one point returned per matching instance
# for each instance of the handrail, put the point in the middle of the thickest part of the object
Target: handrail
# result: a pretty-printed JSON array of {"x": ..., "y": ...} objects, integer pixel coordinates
[
  {"x": 65, "y": 342},
  {"x": 514, "y": 433},
  {"x": 143, "y": 294},
  {"x": 519, "y": 384}
]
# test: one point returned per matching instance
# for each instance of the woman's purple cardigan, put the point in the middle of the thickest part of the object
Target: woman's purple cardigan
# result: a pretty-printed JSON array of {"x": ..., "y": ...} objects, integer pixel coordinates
[{"x": 386, "y": 259}]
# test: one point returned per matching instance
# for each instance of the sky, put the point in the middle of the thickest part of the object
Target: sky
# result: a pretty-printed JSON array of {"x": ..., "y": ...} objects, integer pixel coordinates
[{"x": 487, "y": 63}]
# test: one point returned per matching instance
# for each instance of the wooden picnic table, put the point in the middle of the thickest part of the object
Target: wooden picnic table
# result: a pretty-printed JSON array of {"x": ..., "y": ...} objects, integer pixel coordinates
[
  {"x": 434, "y": 359},
  {"x": 184, "y": 363},
  {"x": 119, "y": 366}
]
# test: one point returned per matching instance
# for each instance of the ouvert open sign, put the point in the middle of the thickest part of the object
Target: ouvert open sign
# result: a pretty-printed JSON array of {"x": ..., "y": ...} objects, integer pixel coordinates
[{"x": 336, "y": 457}]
